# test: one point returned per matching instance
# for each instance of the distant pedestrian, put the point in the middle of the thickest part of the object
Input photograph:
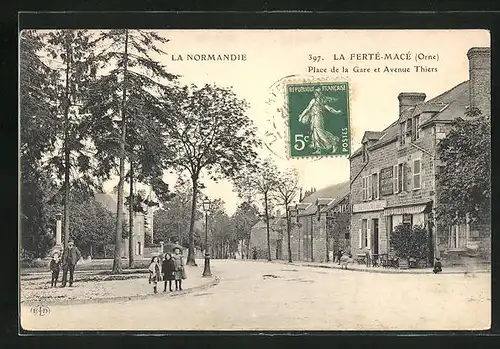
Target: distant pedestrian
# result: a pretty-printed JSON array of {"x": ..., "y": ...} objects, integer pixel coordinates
[
  {"x": 345, "y": 260},
  {"x": 437, "y": 266},
  {"x": 71, "y": 256},
  {"x": 154, "y": 272},
  {"x": 55, "y": 267},
  {"x": 168, "y": 269},
  {"x": 339, "y": 255},
  {"x": 368, "y": 259},
  {"x": 179, "y": 271}
]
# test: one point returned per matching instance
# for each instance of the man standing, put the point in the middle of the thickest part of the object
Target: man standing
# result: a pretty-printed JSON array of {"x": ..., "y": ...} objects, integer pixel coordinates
[{"x": 70, "y": 257}]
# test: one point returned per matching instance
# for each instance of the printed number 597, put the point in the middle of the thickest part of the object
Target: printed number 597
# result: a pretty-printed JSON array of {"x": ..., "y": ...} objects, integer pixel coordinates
[{"x": 300, "y": 142}]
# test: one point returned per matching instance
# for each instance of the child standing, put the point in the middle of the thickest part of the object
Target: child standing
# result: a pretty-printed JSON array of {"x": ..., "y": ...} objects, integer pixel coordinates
[
  {"x": 55, "y": 266},
  {"x": 154, "y": 272},
  {"x": 437, "y": 266},
  {"x": 168, "y": 268},
  {"x": 179, "y": 272}
]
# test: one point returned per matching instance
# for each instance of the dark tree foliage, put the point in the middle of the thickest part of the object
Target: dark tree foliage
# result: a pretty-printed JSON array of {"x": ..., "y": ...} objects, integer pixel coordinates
[
  {"x": 465, "y": 179},
  {"x": 410, "y": 242}
]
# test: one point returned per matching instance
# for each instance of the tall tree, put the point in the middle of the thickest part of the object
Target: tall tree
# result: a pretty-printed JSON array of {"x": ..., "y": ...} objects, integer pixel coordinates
[
  {"x": 134, "y": 89},
  {"x": 464, "y": 182},
  {"x": 39, "y": 127},
  {"x": 286, "y": 190},
  {"x": 69, "y": 54},
  {"x": 212, "y": 134},
  {"x": 245, "y": 217},
  {"x": 260, "y": 181}
]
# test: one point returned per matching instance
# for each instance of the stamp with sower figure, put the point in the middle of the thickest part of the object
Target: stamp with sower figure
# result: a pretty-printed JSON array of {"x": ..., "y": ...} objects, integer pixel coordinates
[{"x": 318, "y": 119}]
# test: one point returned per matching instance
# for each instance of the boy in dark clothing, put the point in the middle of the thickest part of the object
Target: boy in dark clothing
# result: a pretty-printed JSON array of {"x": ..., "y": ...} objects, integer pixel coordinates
[
  {"x": 437, "y": 266},
  {"x": 55, "y": 266}
]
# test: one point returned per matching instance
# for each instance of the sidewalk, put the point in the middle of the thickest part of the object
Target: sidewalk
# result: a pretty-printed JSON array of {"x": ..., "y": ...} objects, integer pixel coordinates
[
  {"x": 471, "y": 269},
  {"x": 94, "y": 287}
]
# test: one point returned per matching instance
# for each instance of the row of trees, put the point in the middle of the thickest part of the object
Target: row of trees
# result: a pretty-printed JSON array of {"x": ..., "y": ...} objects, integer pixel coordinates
[{"x": 99, "y": 103}]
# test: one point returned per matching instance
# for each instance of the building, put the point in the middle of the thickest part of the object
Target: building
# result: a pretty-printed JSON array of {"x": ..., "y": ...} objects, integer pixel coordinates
[
  {"x": 393, "y": 174},
  {"x": 320, "y": 224},
  {"x": 258, "y": 238},
  {"x": 141, "y": 223}
]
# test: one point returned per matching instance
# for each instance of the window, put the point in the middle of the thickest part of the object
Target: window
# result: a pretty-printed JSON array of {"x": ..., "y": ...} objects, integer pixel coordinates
[
  {"x": 365, "y": 188},
  {"x": 409, "y": 127},
  {"x": 347, "y": 236},
  {"x": 408, "y": 219},
  {"x": 416, "y": 123},
  {"x": 458, "y": 236},
  {"x": 375, "y": 186},
  {"x": 401, "y": 177},
  {"x": 402, "y": 133},
  {"x": 369, "y": 183},
  {"x": 416, "y": 174},
  {"x": 395, "y": 180}
]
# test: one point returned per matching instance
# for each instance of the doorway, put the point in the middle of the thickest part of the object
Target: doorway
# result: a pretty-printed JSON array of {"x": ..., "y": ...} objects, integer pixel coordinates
[
  {"x": 375, "y": 236},
  {"x": 279, "y": 249}
]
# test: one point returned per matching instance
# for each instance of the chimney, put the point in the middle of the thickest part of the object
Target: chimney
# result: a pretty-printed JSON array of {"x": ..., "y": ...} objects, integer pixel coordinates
[
  {"x": 480, "y": 78},
  {"x": 409, "y": 99}
]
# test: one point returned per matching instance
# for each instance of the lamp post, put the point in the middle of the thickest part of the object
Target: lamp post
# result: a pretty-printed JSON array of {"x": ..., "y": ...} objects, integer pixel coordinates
[
  {"x": 58, "y": 247},
  {"x": 206, "y": 269}
]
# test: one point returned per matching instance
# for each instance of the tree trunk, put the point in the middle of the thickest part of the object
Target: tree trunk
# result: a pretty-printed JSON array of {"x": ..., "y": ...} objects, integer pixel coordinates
[
  {"x": 66, "y": 150},
  {"x": 117, "y": 265},
  {"x": 190, "y": 258},
  {"x": 288, "y": 233},
  {"x": 248, "y": 248},
  {"x": 267, "y": 228},
  {"x": 131, "y": 219}
]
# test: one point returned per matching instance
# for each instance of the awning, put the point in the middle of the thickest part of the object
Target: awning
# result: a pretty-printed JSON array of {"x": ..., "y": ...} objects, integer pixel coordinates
[{"x": 414, "y": 209}]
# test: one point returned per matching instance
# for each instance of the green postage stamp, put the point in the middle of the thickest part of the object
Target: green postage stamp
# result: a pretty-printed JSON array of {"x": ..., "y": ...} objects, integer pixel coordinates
[{"x": 318, "y": 119}]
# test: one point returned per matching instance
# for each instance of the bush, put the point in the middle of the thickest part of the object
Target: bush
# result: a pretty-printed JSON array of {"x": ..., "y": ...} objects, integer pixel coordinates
[{"x": 410, "y": 242}]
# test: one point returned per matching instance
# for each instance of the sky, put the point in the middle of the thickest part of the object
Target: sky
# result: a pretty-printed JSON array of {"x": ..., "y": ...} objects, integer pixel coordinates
[{"x": 272, "y": 55}]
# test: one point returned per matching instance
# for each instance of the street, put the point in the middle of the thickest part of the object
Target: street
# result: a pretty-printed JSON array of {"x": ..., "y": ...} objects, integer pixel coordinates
[{"x": 274, "y": 296}]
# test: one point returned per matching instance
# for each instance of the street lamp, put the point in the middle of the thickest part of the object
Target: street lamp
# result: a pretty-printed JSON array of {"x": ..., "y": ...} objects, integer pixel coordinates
[{"x": 206, "y": 208}]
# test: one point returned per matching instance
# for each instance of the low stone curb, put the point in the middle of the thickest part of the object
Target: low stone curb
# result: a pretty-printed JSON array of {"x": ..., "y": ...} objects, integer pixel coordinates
[
  {"x": 373, "y": 270},
  {"x": 395, "y": 271},
  {"x": 213, "y": 282}
]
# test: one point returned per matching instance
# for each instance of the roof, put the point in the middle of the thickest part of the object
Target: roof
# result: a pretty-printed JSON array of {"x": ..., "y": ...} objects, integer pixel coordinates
[
  {"x": 343, "y": 192},
  {"x": 457, "y": 100},
  {"x": 389, "y": 134},
  {"x": 447, "y": 106},
  {"x": 323, "y": 201},
  {"x": 331, "y": 192},
  {"x": 372, "y": 135}
]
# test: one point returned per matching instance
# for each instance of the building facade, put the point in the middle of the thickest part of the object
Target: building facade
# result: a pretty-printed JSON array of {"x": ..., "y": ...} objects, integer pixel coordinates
[
  {"x": 140, "y": 224},
  {"x": 258, "y": 239},
  {"x": 393, "y": 174},
  {"x": 320, "y": 224}
]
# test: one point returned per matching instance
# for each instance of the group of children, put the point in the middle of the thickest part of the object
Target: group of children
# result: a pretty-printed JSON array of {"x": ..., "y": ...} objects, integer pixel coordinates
[{"x": 170, "y": 268}]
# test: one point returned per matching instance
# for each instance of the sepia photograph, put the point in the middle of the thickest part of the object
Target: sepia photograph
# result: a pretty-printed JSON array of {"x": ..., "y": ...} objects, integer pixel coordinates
[{"x": 254, "y": 180}]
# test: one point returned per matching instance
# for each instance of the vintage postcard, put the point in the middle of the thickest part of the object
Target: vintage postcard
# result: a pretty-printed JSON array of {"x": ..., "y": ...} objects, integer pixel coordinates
[{"x": 257, "y": 180}]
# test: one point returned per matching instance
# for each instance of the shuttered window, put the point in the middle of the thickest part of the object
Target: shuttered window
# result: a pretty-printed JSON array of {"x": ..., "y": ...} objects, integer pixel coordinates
[
  {"x": 416, "y": 174},
  {"x": 395, "y": 179}
]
